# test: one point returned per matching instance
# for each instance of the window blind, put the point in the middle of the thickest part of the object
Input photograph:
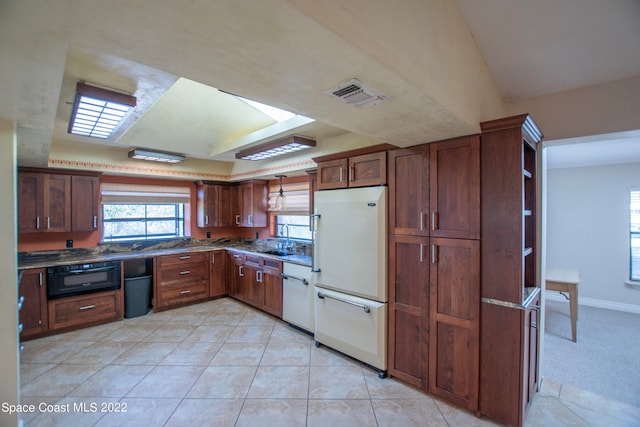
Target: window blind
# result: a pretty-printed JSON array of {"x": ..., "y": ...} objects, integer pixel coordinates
[
  {"x": 130, "y": 193},
  {"x": 297, "y": 198}
]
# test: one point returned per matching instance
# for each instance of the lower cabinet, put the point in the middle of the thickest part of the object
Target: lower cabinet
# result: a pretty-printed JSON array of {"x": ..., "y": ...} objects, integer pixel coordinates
[
  {"x": 509, "y": 377},
  {"x": 181, "y": 278},
  {"x": 408, "y": 349},
  {"x": 454, "y": 320},
  {"x": 256, "y": 281},
  {"x": 434, "y": 314},
  {"x": 33, "y": 296},
  {"x": 85, "y": 309},
  {"x": 217, "y": 273}
]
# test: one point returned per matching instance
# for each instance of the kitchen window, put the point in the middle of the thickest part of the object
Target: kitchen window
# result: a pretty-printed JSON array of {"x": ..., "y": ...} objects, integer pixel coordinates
[
  {"x": 297, "y": 226},
  {"x": 142, "y": 221},
  {"x": 143, "y": 212},
  {"x": 634, "y": 235}
]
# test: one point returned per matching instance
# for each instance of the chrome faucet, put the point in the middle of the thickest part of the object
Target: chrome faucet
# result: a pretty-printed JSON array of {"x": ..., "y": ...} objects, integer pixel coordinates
[{"x": 288, "y": 244}]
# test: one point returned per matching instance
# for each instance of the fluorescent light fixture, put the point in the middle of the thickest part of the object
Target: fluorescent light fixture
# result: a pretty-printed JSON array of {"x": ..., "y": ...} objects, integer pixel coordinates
[
  {"x": 97, "y": 112},
  {"x": 276, "y": 148},
  {"x": 156, "y": 156}
]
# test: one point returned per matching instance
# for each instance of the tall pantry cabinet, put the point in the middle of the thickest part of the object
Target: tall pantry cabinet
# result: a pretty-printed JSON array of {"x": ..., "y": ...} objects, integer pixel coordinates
[
  {"x": 510, "y": 268},
  {"x": 434, "y": 220}
]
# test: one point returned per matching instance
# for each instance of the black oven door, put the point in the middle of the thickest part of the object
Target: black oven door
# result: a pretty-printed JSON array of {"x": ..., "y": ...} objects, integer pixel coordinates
[{"x": 82, "y": 279}]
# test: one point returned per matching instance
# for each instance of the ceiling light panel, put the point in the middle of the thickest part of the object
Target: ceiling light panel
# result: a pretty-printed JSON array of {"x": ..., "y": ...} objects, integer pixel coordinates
[
  {"x": 276, "y": 148},
  {"x": 97, "y": 112},
  {"x": 156, "y": 156}
]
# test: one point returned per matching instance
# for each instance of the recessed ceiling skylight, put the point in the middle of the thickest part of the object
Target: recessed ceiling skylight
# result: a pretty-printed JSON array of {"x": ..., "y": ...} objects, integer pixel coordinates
[{"x": 275, "y": 113}]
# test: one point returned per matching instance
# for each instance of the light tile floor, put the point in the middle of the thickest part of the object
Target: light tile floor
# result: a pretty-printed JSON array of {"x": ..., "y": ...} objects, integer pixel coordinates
[{"x": 222, "y": 363}]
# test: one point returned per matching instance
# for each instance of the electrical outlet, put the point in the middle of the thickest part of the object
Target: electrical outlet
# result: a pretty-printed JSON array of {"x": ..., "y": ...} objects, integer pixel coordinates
[
  {"x": 208, "y": 234},
  {"x": 69, "y": 243}
]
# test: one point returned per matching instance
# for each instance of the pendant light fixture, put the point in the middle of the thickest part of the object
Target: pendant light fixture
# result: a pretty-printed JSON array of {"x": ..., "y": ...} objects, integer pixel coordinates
[{"x": 281, "y": 200}]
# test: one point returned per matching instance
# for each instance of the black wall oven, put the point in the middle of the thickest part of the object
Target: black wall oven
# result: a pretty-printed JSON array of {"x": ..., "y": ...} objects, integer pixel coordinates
[{"x": 69, "y": 280}]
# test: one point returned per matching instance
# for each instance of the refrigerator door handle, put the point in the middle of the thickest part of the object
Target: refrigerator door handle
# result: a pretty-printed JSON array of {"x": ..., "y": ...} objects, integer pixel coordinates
[
  {"x": 362, "y": 306},
  {"x": 314, "y": 221}
]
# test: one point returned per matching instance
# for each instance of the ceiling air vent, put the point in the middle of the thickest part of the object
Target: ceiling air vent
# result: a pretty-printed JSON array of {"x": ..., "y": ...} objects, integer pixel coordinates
[{"x": 354, "y": 92}]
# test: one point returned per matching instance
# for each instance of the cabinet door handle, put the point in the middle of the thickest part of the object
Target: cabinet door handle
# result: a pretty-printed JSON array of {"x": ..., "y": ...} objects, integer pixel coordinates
[
  {"x": 237, "y": 219},
  {"x": 351, "y": 173},
  {"x": 213, "y": 259},
  {"x": 434, "y": 216},
  {"x": 20, "y": 302},
  {"x": 188, "y": 291},
  {"x": 95, "y": 221},
  {"x": 40, "y": 279},
  {"x": 434, "y": 254},
  {"x": 87, "y": 307},
  {"x": 206, "y": 219},
  {"x": 241, "y": 270},
  {"x": 340, "y": 173},
  {"x": 182, "y": 273},
  {"x": 421, "y": 220},
  {"x": 48, "y": 222},
  {"x": 259, "y": 276},
  {"x": 185, "y": 257},
  {"x": 250, "y": 219},
  {"x": 37, "y": 223},
  {"x": 421, "y": 252}
]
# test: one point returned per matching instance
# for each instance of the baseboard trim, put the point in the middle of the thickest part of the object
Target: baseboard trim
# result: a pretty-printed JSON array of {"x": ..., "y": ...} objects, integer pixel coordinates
[{"x": 592, "y": 302}]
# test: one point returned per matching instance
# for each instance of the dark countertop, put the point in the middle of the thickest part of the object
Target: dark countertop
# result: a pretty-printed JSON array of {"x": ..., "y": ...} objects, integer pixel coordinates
[{"x": 147, "y": 249}]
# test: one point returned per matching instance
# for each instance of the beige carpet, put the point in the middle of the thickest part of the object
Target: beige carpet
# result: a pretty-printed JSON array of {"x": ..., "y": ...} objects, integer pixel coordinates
[{"x": 606, "y": 357}]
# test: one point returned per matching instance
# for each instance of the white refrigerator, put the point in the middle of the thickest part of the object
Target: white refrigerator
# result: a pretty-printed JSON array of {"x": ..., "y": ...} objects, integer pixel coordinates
[{"x": 350, "y": 264}]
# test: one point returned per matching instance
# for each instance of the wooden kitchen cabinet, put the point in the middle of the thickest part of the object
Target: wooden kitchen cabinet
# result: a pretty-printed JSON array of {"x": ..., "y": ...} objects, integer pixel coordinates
[
  {"x": 85, "y": 206},
  {"x": 454, "y": 320},
  {"x": 250, "y": 204},
  {"x": 510, "y": 268},
  {"x": 33, "y": 294},
  {"x": 355, "y": 171},
  {"x": 434, "y": 267},
  {"x": 272, "y": 286},
  {"x": 409, "y": 309},
  {"x": 257, "y": 281},
  {"x": 509, "y": 370},
  {"x": 454, "y": 179},
  {"x": 85, "y": 310},
  {"x": 217, "y": 273},
  {"x": 44, "y": 202},
  {"x": 214, "y": 206},
  {"x": 181, "y": 278},
  {"x": 434, "y": 189},
  {"x": 409, "y": 191}
]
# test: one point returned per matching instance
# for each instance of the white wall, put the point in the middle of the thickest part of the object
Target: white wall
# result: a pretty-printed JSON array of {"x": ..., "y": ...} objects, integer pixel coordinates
[
  {"x": 8, "y": 268},
  {"x": 588, "y": 229}
]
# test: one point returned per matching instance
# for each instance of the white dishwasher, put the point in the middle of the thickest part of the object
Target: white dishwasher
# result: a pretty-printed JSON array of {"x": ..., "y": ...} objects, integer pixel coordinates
[{"x": 297, "y": 296}]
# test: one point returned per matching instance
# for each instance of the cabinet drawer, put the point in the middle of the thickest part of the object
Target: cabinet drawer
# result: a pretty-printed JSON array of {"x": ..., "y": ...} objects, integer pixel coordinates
[
  {"x": 193, "y": 290},
  {"x": 84, "y": 309},
  {"x": 272, "y": 266},
  {"x": 181, "y": 259},
  {"x": 183, "y": 273}
]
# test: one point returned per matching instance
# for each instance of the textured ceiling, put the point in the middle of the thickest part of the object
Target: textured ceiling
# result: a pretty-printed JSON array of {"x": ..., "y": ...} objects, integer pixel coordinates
[{"x": 287, "y": 53}]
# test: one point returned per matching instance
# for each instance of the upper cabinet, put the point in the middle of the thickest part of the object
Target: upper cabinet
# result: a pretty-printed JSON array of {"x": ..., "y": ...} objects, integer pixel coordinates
[
  {"x": 227, "y": 205},
  {"x": 435, "y": 190},
  {"x": 57, "y": 202},
  {"x": 44, "y": 202},
  {"x": 84, "y": 203},
  {"x": 250, "y": 202},
  {"x": 509, "y": 168},
  {"x": 455, "y": 188},
  {"x": 214, "y": 208},
  {"x": 356, "y": 171}
]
